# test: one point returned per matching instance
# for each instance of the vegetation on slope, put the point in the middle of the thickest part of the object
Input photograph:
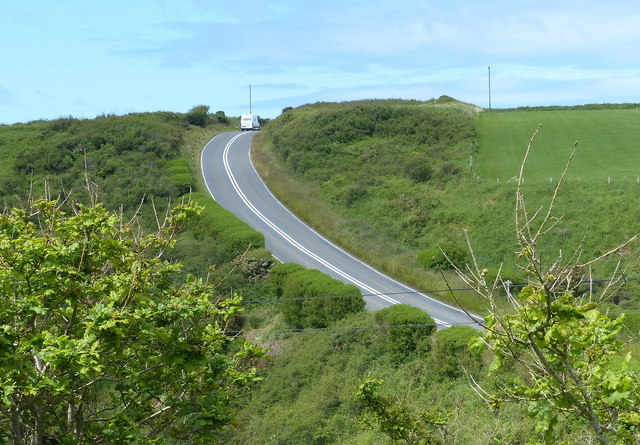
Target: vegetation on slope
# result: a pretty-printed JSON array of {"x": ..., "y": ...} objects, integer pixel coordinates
[
  {"x": 392, "y": 192},
  {"x": 142, "y": 164},
  {"x": 132, "y": 165},
  {"x": 402, "y": 184},
  {"x": 97, "y": 343}
]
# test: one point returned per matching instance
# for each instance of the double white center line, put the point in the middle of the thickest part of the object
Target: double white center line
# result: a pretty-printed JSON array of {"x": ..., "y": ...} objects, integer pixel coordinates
[{"x": 293, "y": 242}]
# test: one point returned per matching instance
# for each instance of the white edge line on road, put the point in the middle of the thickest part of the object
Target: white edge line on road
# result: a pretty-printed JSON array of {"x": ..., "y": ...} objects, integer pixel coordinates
[
  {"x": 356, "y": 258},
  {"x": 300, "y": 247},
  {"x": 202, "y": 163},
  {"x": 284, "y": 235}
]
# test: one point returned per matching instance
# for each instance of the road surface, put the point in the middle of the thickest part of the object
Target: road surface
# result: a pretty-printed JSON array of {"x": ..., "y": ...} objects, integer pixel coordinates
[{"x": 234, "y": 183}]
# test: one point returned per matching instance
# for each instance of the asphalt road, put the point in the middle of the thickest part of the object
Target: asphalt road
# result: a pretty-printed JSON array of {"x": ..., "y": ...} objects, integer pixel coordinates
[{"x": 235, "y": 185}]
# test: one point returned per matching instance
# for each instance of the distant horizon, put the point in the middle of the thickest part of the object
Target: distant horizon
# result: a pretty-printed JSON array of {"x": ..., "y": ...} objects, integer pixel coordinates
[{"x": 211, "y": 111}]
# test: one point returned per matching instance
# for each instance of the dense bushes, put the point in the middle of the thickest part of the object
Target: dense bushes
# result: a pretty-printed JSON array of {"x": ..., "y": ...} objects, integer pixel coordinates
[
  {"x": 419, "y": 170},
  {"x": 306, "y": 396},
  {"x": 316, "y": 138},
  {"x": 407, "y": 328},
  {"x": 297, "y": 284},
  {"x": 123, "y": 156},
  {"x": 451, "y": 353},
  {"x": 180, "y": 175},
  {"x": 130, "y": 161}
]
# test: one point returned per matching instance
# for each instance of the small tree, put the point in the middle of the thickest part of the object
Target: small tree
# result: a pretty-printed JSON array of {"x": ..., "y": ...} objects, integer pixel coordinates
[
  {"x": 564, "y": 344},
  {"x": 97, "y": 345},
  {"x": 198, "y": 115}
]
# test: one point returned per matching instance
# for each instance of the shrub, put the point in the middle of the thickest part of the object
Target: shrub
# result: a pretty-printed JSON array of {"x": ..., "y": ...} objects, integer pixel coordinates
[
  {"x": 317, "y": 312},
  {"x": 198, "y": 115},
  {"x": 183, "y": 182},
  {"x": 506, "y": 277},
  {"x": 279, "y": 274},
  {"x": 435, "y": 258},
  {"x": 237, "y": 239},
  {"x": 255, "y": 265},
  {"x": 220, "y": 118},
  {"x": 450, "y": 351},
  {"x": 418, "y": 327},
  {"x": 418, "y": 170}
]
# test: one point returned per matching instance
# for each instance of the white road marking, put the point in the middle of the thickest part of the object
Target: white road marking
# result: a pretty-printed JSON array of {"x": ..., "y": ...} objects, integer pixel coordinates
[
  {"x": 282, "y": 233},
  {"x": 303, "y": 249}
]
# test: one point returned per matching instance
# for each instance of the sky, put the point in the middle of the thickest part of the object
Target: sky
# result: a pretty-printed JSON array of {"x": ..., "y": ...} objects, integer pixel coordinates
[{"x": 89, "y": 58}]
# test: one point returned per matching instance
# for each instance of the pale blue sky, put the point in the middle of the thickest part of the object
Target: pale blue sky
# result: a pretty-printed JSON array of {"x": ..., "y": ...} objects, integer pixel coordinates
[{"x": 85, "y": 58}]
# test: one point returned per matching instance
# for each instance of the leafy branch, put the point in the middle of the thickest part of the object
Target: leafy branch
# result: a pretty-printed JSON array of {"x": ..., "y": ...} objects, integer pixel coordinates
[{"x": 563, "y": 343}]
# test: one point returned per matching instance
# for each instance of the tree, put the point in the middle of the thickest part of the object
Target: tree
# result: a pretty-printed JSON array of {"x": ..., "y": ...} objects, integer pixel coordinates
[
  {"x": 198, "y": 115},
  {"x": 566, "y": 347},
  {"x": 97, "y": 343}
]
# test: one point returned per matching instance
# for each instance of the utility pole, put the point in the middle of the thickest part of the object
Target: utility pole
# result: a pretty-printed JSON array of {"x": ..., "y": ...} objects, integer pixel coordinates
[
  {"x": 489, "y": 88},
  {"x": 250, "y": 99}
]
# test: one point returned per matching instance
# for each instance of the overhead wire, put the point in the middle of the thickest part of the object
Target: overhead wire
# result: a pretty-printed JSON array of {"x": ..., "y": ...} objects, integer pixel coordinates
[{"x": 408, "y": 292}]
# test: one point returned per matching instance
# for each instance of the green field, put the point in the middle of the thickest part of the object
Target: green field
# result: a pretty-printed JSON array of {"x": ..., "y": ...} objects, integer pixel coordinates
[{"x": 608, "y": 144}]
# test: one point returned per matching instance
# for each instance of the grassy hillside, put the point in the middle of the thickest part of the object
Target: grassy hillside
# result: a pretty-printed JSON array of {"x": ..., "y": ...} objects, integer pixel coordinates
[
  {"x": 395, "y": 178},
  {"x": 608, "y": 144},
  {"x": 378, "y": 177},
  {"x": 307, "y": 396},
  {"x": 134, "y": 163},
  {"x": 387, "y": 179}
]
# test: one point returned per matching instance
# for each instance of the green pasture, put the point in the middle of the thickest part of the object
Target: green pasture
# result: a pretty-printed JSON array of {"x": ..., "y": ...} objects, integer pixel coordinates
[{"x": 608, "y": 144}]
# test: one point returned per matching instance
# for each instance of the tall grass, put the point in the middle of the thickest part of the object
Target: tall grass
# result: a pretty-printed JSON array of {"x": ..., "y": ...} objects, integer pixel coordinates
[{"x": 356, "y": 183}]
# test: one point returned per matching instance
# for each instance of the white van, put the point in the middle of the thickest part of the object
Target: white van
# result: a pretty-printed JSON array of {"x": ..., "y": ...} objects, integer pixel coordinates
[{"x": 249, "y": 122}]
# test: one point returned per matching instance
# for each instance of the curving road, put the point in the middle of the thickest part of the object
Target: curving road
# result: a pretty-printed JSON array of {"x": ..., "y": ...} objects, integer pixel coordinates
[{"x": 235, "y": 185}]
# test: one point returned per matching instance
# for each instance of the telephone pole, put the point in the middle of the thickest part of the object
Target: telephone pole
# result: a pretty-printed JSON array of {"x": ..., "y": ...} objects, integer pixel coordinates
[{"x": 250, "y": 99}]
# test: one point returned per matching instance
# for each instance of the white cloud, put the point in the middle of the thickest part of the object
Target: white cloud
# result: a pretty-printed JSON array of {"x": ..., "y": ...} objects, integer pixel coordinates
[{"x": 162, "y": 54}]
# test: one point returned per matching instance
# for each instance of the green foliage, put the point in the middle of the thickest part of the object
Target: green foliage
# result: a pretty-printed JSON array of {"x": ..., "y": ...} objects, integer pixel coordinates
[
  {"x": 124, "y": 157},
  {"x": 180, "y": 175},
  {"x": 386, "y": 217},
  {"x": 307, "y": 392},
  {"x": 407, "y": 329},
  {"x": 198, "y": 115},
  {"x": 300, "y": 285},
  {"x": 183, "y": 183},
  {"x": 279, "y": 275},
  {"x": 232, "y": 235},
  {"x": 571, "y": 346},
  {"x": 450, "y": 352},
  {"x": 567, "y": 349},
  {"x": 397, "y": 421},
  {"x": 91, "y": 326},
  {"x": 220, "y": 118},
  {"x": 315, "y": 139},
  {"x": 419, "y": 170},
  {"x": 443, "y": 257}
]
